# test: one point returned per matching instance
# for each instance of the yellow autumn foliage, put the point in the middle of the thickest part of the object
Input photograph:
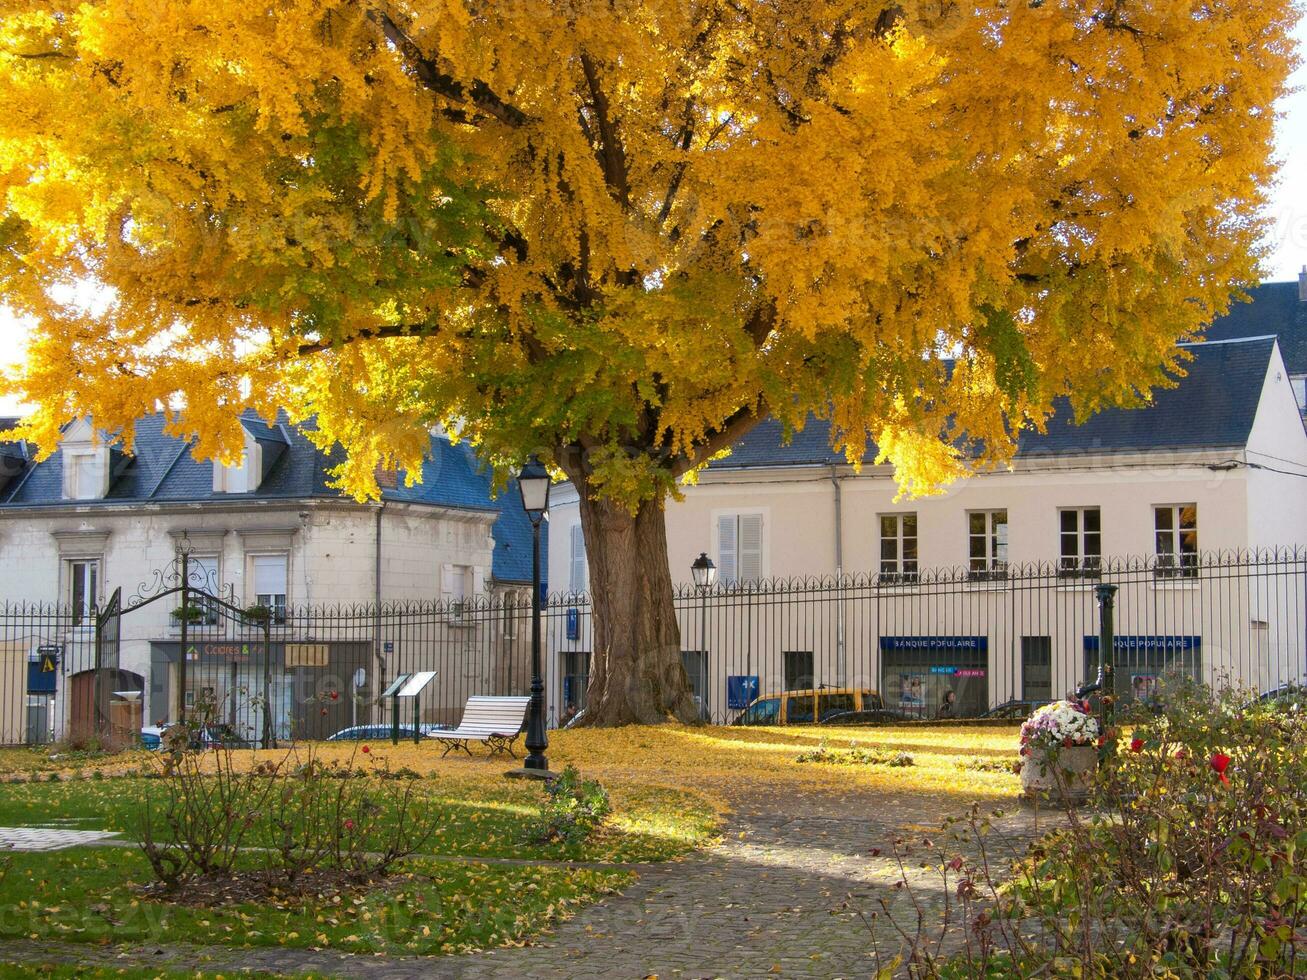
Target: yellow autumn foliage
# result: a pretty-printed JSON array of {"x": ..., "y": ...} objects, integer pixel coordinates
[{"x": 619, "y": 232}]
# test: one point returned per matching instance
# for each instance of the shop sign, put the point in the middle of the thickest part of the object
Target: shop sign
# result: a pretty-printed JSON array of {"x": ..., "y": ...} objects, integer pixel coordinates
[
  {"x": 980, "y": 644},
  {"x": 1182, "y": 643}
]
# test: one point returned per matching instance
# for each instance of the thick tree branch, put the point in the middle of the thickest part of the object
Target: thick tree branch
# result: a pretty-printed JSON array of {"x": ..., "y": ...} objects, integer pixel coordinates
[
  {"x": 478, "y": 95},
  {"x": 734, "y": 428},
  {"x": 612, "y": 156}
]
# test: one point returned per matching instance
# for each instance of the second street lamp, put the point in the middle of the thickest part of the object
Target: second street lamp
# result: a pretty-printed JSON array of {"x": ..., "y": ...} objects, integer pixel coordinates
[
  {"x": 533, "y": 484},
  {"x": 704, "y": 573}
]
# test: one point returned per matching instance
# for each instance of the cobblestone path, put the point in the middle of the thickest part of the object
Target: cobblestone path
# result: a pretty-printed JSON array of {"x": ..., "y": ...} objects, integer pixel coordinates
[{"x": 769, "y": 901}]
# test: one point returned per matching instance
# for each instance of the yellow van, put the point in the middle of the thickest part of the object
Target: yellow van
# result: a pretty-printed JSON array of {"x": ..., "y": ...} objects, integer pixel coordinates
[{"x": 807, "y": 707}]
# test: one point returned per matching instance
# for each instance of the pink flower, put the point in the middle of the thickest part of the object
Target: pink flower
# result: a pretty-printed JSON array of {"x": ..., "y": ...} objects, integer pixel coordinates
[{"x": 349, "y": 824}]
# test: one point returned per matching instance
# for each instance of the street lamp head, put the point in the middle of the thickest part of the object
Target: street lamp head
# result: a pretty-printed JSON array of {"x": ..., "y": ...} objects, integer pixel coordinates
[
  {"x": 184, "y": 546},
  {"x": 704, "y": 571},
  {"x": 533, "y": 483}
]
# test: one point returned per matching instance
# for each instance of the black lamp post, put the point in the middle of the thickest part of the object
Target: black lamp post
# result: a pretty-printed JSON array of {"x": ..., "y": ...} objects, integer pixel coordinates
[
  {"x": 705, "y": 574},
  {"x": 533, "y": 483}
]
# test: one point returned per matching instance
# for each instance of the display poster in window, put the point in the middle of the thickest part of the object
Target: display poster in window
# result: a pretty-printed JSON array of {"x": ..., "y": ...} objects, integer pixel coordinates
[{"x": 912, "y": 690}]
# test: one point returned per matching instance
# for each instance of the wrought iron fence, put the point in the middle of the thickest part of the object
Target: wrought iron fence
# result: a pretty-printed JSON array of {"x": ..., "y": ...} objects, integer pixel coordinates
[
  {"x": 1021, "y": 633},
  {"x": 311, "y": 672}
]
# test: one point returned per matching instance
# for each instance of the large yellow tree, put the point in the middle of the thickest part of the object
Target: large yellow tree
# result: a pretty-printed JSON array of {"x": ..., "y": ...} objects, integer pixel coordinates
[{"x": 619, "y": 233}]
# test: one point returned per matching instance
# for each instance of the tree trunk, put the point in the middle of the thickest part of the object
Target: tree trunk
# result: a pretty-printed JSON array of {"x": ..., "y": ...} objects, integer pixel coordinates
[{"x": 636, "y": 675}]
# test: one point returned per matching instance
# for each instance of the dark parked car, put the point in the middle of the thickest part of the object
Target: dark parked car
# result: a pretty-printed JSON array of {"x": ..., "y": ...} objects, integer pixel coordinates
[
  {"x": 871, "y": 716},
  {"x": 152, "y": 737},
  {"x": 359, "y": 733},
  {"x": 1014, "y": 709}
]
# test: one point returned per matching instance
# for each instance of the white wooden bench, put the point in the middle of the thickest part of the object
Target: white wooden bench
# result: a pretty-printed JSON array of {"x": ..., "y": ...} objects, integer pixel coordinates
[{"x": 495, "y": 721}]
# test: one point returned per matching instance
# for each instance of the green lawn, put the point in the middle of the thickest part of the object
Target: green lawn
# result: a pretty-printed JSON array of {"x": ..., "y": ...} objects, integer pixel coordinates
[
  {"x": 430, "y": 906},
  {"x": 651, "y": 823},
  {"x": 90, "y": 895}
]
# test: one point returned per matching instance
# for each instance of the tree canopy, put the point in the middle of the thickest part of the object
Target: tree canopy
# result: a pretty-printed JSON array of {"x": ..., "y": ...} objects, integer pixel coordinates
[{"x": 625, "y": 230}]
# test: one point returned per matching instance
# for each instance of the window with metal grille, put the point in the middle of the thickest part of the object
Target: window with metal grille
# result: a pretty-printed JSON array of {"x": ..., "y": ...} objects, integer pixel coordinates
[
  {"x": 1176, "y": 540},
  {"x": 1080, "y": 542},
  {"x": 987, "y": 544},
  {"x": 898, "y": 548}
]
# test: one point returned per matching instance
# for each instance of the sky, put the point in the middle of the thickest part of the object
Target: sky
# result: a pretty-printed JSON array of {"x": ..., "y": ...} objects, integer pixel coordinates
[{"x": 1287, "y": 237}]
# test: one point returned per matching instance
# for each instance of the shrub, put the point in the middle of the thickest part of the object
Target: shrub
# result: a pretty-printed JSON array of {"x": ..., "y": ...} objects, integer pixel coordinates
[
  {"x": 573, "y": 809},
  {"x": 346, "y": 823},
  {"x": 855, "y": 755},
  {"x": 1197, "y": 834}
]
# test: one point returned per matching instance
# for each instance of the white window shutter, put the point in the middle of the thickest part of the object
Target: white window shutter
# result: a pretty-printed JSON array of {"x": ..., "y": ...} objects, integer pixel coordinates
[
  {"x": 447, "y": 582},
  {"x": 478, "y": 580},
  {"x": 750, "y": 559},
  {"x": 728, "y": 548},
  {"x": 270, "y": 574},
  {"x": 578, "y": 573}
]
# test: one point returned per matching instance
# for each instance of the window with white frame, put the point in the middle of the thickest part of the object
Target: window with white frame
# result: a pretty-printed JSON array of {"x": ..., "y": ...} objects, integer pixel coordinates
[
  {"x": 739, "y": 548},
  {"x": 84, "y": 478},
  {"x": 579, "y": 576},
  {"x": 1175, "y": 536},
  {"x": 459, "y": 585},
  {"x": 83, "y": 589},
  {"x": 987, "y": 544},
  {"x": 1080, "y": 531},
  {"x": 202, "y": 574},
  {"x": 898, "y": 547},
  {"x": 270, "y": 576}
]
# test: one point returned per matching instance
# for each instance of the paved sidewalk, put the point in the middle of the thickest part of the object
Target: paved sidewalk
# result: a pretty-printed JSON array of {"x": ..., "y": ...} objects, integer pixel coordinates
[
  {"x": 768, "y": 901},
  {"x": 49, "y": 838}
]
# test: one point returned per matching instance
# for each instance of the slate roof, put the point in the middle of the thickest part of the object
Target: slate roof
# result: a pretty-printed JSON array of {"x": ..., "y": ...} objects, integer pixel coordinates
[
  {"x": 163, "y": 471},
  {"x": 1212, "y": 408},
  {"x": 1274, "y": 309}
]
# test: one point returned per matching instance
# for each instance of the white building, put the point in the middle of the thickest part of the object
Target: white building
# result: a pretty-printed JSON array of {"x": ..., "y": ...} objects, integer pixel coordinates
[
  {"x": 1213, "y": 466},
  {"x": 268, "y": 532}
]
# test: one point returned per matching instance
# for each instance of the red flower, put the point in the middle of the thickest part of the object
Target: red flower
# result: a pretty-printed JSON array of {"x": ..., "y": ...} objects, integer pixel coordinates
[
  {"x": 1220, "y": 761},
  {"x": 324, "y": 711},
  {"x": 349, "y": 824},
  {"x": 1136, "y": 745},
  {"x": 366, "y": 750},
  {"x": 335, "y": 695},
  {"x": 1179, "y": 753}
]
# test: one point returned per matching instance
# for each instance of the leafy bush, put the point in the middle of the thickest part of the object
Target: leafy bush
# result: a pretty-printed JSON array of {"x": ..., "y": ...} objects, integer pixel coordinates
[
  {"x": 1197, "y": 834},
  {"x": 855, "y": 755},
  {"x": 573, "y": 809}
]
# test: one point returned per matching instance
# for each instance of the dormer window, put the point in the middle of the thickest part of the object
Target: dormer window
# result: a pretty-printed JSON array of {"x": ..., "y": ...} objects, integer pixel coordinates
[
  {"x": 245, "y": 476},
  {"x": 87, "y": 463},
  {"x": 264, "y": 445}
]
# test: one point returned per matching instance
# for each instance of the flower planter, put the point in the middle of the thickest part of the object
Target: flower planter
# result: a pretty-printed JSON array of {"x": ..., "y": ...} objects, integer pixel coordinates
[{"x": 1062, "y": 774}]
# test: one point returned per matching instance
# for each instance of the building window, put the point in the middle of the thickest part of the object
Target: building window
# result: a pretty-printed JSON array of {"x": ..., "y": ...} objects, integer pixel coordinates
[
  {"x": 987, "y": 544},
  {"x": 1081, "y": 542},
  {"x": 85, "y": 477},
  {"x": 576, "y": 682},
  {"x": 459, "y": 586},
  {"x": 1299, "y": 384},
  {"x": 898, "y": 548},
  {"x": 1176, "y": 537},
  {"x": 1036, "y": 668},
  {"x": 83, "y": 589},
  {"x": 270, "y": 584},
  {"x": 202, "y": 575},
  {"x": 798, "y": 666},
  {"x": 739, "y": 548},
  {"x": 579, "y": 577}
]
